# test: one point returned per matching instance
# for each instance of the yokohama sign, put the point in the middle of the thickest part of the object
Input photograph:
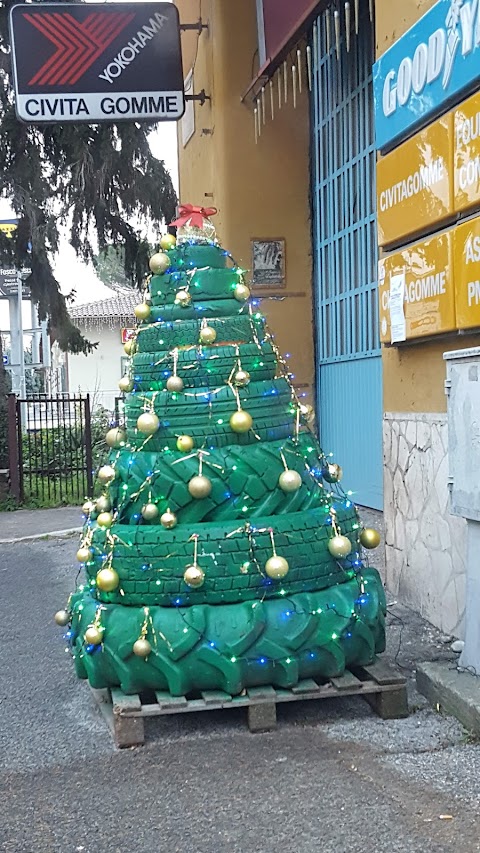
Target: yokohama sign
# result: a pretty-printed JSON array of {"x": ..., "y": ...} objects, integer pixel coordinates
[{"x": 91, "y": 62}]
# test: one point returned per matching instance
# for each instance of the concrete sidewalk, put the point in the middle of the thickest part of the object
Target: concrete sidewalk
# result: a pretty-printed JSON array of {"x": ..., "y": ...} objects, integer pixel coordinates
[{"x": 24, "y": 524}]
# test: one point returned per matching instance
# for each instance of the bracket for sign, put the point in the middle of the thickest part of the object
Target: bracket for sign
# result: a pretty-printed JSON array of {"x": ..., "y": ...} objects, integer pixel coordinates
[
  {"x": 201, "y": 97},
  {"x": 198, "y": 27}
]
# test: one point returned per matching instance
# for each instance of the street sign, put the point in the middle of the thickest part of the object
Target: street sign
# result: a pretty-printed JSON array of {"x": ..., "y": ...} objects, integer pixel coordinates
[
  {"x": 8, "y": 226},
  {"x": 5, "y": 358},
  {"x": 127, "y": 335},
  {"x": 9, "y": 283},
  {"x": 97, "y": 62}
]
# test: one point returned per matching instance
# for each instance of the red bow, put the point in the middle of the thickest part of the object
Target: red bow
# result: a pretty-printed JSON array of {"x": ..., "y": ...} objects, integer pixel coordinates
[{"x": 193, "y": 215}]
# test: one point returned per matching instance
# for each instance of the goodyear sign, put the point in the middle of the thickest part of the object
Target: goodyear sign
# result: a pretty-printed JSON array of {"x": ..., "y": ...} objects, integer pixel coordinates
[
  {"x": 414, "y": 183},
  {"x": 416, "y": 291},
  {"x": 434, "y": 63},
  {"x": 96, "y": 62}
]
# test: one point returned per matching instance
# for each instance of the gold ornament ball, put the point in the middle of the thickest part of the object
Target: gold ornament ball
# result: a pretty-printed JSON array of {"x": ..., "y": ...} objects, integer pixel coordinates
[
  {"x": 62, "y": 617},
  {"x": 126, "y": 384},
  {"x": 103, "y": 504},
  {"x": 106, "y": 474},
  {"x": 241, "y": 293},
  {"x": 175, "y": 384},
  {"x": 84, "y": 555},
  {"x": 183, "y": 298},
  {"x": 208, "y": 335},
  {"x": 93, "y": 635},
  {"x": 200, "y": 486},
  {"x": 150, "y": 512},
  {"x": 168, "y": 520},
  {"x": 142, "y": 311},
  {"x": 107, "y": 580},
  {"x": 129, "y": 346},
  {"x": 339, "y": 546},
  {"x": 290, "y": 481},
  {"x": 159, "y": 262},
  {"x": 168, "y": 241},
  {"x": 88, "y": 507},
  {"x": 105, "y": 519},
  {"x": 276, "y": 567},
  {"x": 370, "y": 538},
  {"x": 308, "y": 413},
  {"x": 185, "y": 443},
  {"x": 142, "y": 648},
  {"x": 194, "y": 576},
  {"x": 148, "y": 423},
  {"x": 116, "y": 437},
  {"x": 332, "y": 472},
  {"x": 241, "y": 378},
  {"x": 241, "y": 421}
]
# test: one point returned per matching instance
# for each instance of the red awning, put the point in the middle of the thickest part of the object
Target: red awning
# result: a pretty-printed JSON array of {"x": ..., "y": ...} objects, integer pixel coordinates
[{"x": 284, "y": 23}]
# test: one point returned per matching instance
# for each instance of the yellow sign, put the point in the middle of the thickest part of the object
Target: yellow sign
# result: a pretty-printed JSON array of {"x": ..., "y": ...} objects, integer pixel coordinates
[
  {"x": 467, "y": 274},
  {"x": 416, "y": 291},
  {"x": 467, "y": 153},
  {"x": 414, "y": 183},
  {"x": 8, "y": 226}
]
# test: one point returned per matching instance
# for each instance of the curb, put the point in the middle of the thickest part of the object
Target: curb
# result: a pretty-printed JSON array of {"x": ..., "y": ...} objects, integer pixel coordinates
[
  {"x": 453, "y": 690},
  {"x": 53, "y": 534}
]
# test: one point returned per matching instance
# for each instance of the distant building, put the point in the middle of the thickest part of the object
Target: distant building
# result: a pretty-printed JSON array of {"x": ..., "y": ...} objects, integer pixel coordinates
[{"x": 106, "y": 323}]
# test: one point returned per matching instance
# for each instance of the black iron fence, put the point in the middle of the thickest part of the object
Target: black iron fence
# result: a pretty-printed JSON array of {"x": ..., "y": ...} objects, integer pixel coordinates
[{"x": 50, "y": 448}]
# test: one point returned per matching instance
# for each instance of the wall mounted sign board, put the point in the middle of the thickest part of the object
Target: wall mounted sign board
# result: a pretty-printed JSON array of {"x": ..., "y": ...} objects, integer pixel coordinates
[
  {"x": 414, "y": 183},
  {"x": 268, "y": 262},
  {"x": 96, "y": 62},
  {"x": 467, "y": 154},
  {"x": 467, "y": 274},
  {"x": 427, "y": 70},
  {"x": 419, "y": 280}
]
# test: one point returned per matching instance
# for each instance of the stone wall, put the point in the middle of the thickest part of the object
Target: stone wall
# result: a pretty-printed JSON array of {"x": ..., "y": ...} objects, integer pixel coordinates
[{"x": 425, "y": 545}]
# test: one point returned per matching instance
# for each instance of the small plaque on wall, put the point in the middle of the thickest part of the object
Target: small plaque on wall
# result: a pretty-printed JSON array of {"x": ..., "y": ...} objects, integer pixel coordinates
[{"x": 268, "y": 263}]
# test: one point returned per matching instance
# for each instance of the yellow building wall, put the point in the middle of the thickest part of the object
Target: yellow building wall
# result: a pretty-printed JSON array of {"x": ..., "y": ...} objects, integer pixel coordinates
[
  {"x": 261, "y": 190},
  {"x": 413, "y": 375}
]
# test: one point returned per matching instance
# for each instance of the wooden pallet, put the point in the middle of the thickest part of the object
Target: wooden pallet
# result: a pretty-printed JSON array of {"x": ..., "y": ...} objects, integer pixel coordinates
[{"x": 380, "y": 685}]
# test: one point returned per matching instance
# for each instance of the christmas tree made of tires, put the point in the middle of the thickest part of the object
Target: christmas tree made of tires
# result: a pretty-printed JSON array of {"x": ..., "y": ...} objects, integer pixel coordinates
[{"x": 223, "y": 553}]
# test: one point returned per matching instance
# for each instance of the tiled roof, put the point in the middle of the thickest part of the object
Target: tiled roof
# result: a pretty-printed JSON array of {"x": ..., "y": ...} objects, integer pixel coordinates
[{"x": 110, "y": 311}]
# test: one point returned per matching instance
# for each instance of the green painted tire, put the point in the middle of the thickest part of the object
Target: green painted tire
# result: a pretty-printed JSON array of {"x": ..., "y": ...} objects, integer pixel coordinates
[
  {"x": 151, "y": 561},
  {"x": 211, "y": 284},
  {"x": 148, "y": 368},
  {"x": 206, "y": 415},
  {"x": 231, "y": 647},
  {"x": 183, "y": 333}
]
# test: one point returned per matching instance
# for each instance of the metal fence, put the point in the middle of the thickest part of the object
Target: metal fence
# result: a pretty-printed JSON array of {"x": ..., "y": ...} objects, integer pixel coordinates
[{"x": 50, "y": 448}]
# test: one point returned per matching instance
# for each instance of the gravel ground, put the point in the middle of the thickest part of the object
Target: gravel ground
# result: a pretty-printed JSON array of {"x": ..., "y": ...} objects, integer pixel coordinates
[{"x": 332, "y": 778}]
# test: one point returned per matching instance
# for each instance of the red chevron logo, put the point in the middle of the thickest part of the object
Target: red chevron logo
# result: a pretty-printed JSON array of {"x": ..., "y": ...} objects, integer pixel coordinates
[{"x": 78, "y": 45}]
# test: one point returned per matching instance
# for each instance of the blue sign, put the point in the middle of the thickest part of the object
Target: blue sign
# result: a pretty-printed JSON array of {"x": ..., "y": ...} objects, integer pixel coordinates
[
  {"x": 5, "y": 358},
  {"x": 427, "y": 70}
]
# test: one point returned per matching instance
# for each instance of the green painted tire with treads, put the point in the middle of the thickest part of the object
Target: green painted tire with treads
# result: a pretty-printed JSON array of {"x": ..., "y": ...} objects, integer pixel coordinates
[
  {"x": 151, "y": 561},
  {"x": 234, "y": 646},
  {"x": 166, "y": 336},
  {"x": 149, "y": 368}
]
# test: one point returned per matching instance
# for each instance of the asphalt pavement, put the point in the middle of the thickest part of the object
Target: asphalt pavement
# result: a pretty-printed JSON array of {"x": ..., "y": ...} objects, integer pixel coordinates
[{"x": 332, "y": 778}]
